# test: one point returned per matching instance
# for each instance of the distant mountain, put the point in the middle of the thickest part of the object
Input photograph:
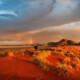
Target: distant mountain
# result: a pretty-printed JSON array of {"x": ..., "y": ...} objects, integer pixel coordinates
[
  {"x": 63, "y": 42},
  {"x": 67, "y": 42}
]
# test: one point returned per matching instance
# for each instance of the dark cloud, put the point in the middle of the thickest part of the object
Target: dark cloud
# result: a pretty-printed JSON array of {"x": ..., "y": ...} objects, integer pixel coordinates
[
  {"x": 63, "y": 12},
  {"x": 41, "y": 15}
]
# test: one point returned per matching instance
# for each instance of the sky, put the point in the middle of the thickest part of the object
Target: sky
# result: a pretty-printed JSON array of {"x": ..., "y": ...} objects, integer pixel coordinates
[{"x": 39, "y": 21}]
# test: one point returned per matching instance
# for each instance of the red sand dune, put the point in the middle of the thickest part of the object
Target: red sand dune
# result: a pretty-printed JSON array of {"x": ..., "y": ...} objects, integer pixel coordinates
[
  {"x": 17, "y": 68},
  {"x": 20, "y": 67}
]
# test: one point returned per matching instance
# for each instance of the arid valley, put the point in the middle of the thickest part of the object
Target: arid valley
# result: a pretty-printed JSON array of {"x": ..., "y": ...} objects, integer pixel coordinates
[{"x": 50, "y": 63}]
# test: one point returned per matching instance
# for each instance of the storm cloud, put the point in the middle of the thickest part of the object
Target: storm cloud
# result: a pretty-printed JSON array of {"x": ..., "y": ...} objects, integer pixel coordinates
[{"x": 30, "y": 18}]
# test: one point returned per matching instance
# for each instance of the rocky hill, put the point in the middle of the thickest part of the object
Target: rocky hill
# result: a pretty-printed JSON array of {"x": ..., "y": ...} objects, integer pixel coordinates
[{"x": 63, "y": 42}]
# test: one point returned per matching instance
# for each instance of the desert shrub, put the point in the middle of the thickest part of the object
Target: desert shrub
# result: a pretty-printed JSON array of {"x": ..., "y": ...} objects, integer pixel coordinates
[
  {"x": 72, "y": 55},
  {"x": 41, "y": 59},
  {"x": 67, "y": 59},
  {"x": 40, "y": 64},
  {"x": 36, "y": 61},
  {"x": 61, "y": 60},
  {"x": 10, "y": 53},
  {"x": 59, "y": 50},
  {"x": 77, "y": 60},
  {"x": 74, "y": 65},
  {"x": 66, "y": 54},
  {"x": 52, "y": 67},
  {"x": 5, "y": 54},
  {"x": 69, "y": 54},
  {"x": 61, "y": 68},
  {"x": 63, "y": 71},
  {"x": 78, "y": 55},
  {"x": 28, "y": 53}
]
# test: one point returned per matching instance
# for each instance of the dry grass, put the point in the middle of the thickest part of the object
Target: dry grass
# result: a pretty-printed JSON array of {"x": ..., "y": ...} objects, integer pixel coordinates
[{"x": 58, "y": 61}]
